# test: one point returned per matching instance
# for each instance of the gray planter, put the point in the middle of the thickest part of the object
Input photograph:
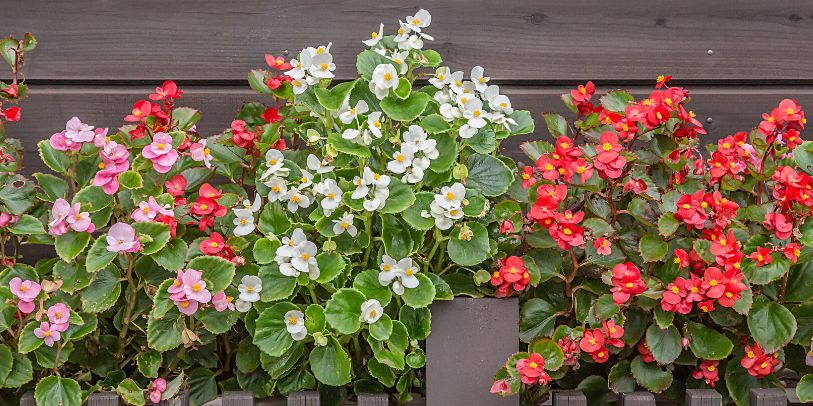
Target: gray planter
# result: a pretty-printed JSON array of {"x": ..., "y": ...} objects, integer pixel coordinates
[
  {"x": 181, "y": 399},
  {"x": 470, "y": 340}
]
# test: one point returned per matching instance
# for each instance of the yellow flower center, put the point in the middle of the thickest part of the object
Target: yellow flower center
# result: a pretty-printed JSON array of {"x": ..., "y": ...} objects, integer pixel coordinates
[{"x": 607, "y": 146}]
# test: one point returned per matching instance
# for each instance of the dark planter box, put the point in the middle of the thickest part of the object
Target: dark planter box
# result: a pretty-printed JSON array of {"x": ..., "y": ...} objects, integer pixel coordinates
[{"x": 470, "y": 340}]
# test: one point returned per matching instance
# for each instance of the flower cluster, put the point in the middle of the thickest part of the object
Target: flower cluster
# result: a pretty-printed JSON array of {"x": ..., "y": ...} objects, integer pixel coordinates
[
  {"x": 511, "y": 277},
  {"x": 758, "y": 362},
  {"x": 297, "y": 255}
]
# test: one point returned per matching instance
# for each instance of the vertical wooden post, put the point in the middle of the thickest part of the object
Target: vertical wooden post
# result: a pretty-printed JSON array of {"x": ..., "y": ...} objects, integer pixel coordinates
[
  {"x": 471, "y": 339},
  {"x": 637, "y": 399},
  {"x": 373, "y": 399},
  {"x": 568, "y": 398},
  {"x": 768, "y": 397},
  {"x": 104, "y": 399},
  {"x": 309, "y": 398},
  {"x": 703, "y": 397},
  {"x": 238, "y": 399},
  {"x": 181, "y": 399},
  {"x": 28, "y": 399}
]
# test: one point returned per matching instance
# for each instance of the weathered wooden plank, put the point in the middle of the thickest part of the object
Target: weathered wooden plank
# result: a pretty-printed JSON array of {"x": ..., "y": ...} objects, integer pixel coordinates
[
  {"x": 544, "y": 40},
  {"x": 49, "y": 107}
]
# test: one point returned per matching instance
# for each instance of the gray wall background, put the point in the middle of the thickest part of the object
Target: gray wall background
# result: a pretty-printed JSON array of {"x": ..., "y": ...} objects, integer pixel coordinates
[{"x": 95, "y": 58}]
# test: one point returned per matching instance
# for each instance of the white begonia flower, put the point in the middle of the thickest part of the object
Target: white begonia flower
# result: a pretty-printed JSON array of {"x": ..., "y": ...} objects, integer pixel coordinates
[
  {"x": 378, "y": 200},
  {"x": 351, "y": 113},
  {"x": 401, "y": 160},
  {"x": 297, "y": 255},
  {"x": 296, "y": 200},
  {"x": 400, "y": 59},
  {"x": 290, "y": 245},
  {"x": 345, "y": 223},
  {"x": 456, "y": 82},
  {"x": 418, "y": 140},
  {"x": 352, "y": 134},
  {"x": 320, "y": 49},
  {"x": 420, "y": 20},
  {"x": 466, "y": 131},
  {"x": 299, "y": 86},
  {"x": 375, "y": 36},
  {"x": 242, "y": 306},
  {"x": 475, "y": 114},
  {"x": 451, "y": 196},
  {"x": 371, "y": 311},
  {"x": 333, "y": 195},
  {"x": 406, "y": 271},
  {"x": 278, "y": 187},
  {"x": 372, "y": 178},
  {"x": 387, "y": 274},
  {"x": 318, "y": 165},
  {"x": 322, "y": 66},
  {"x": 400, "y": 274},
  {"x": 443, "y": 96},
  {"x": 403, "y": 33},
  {"x": 384, "y": 78},
  {"x": 441, "y": 77},
  {"x": 416, "y": 172},
  {"x": 250, "y": 288},
  {"x": 374, "y": 122},
  {"x": 299, "y": 67},
  {"x": 361, "y": 188},
  {"x": 501, "y": 103},
  {"x": 275, "y": 162},
  {"x": 444, "y": 218},
  {"x": 450, "y": 112},
  {"x": 252, "y": 206},
  {"x": 295, "y": 324},
  {"x": 305, "y": 180},
  {"x": 244, "y": 222},
  {"x": 480, "y": 81}
]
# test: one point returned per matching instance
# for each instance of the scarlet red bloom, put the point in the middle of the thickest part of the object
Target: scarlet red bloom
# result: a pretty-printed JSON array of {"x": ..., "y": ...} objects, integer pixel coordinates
[
  {"x": 271, "y": 115},
  {"x": 528, "y": 179},
  {"x": 507, "y": 227},
  {"x": 681, "y": 258},
  {"x": 762, "y": 256},
  {"x": 777, "y": 223},
  {"x": 713, "y": 282},
  {"x": 583, "y": 93},
  {"x": 613, "y": 333},
  {"x": 626, "y": 282},
  {"x": 167, "y": 91},
  {"x": 213, "y": 245},
  {"x": 532, "y": 370},
  {"x": 176, "y": 185},
  {"x": 512, "y": 276},
  {"x": 608, "y": 160},
  {"x": 757, "y": 362},
  {"x": 707, "y": 370},
  {"x": 656, "y": 117},
  {"x": 792, "y": 252},
  {"x": 141, "y": 109},
  {"x": 277, "y": 63},
  {"x": 661, "y": 82},
  {"x": 592, "y": 341},
  {"x": 646, "y": 353},
  {"x": 12, "y": 113}
]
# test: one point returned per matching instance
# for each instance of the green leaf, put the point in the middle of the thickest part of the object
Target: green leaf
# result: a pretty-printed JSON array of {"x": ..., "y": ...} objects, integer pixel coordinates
[
  {"x": 173, "y": 387},
  {"x": 400, "y": 198},
  {"x": 98, "y": 256},
  {"x": 367, "y": 283},
  {"x": 56, "y": 160},
  {"x": 667, "y": 224},
  {"x": 276, "y": 286},
  {"x": 550, "y": 351},
  {"x": 21, "y": 372},
  {"x": 28, "y": 341},
  {"x": 488, "y": 174},
  {"x": 331, "y": 265},
  {"x": 274, "y": 220},
  {"x": 407, "y": 109},
  {"x": 129, "y": 391},
  {"x": 396, "y": 237},
  {"x": 620, "y": 378},
  {"x": 412, "y": 215},
  {"x": 616, "y": 101},
  {"x": 265, "y": 250},
  {"x": 652, "y": 247},
  {"x": 368, "y": 60},
  {"x": 739, "y": 383},
  {"x": 434, "y": 124},
  {"x": 103, "y": 292},
  {"x": 77, "y": 331},
  {"x": 447, "y": 153},
  {"x": 800, "y": 283},
  {"x": 344, "y": 309},
  {"x": 148, "y": 363},
  {"x": 650, "y": 375},
  {"x": 53, "y": 186},
  {"x": 55, "y": 390},
  {"x": 331, "y": 364},
  {"x": 332, "y": 99},
  {"x": 186, "y": 117},
  {"x": 472, "y": 251},
  {"x": 391, "y": 352},
  {"x": 771, "y": 324},
  {"x": 218, "y": 271},
  {"x": 403, "y": 89},
  {"x": 172, "y": 256},
  {"x": 537, "y": 319},
  {"x": 217, "y": 322},
  {"x": 131, "y": 180},
  {"x": 803, "y": 155},
  {"x": 422, "y": 295},
  {"x": 416, "y": 321},
  {"x": 27, "y": 225},
  {"x": 93, "y": 199},
  {"x": 525, "y": 124},
  {"x": 202, "y": 386},
  {"x": 664, "y": 343},
  {"x": 256, "y": 80},
  {"x": 315, "y": 318},
  {"x": 804, "y": 390},
  {"x": 336, "y": 141},
  {"x": 382, "y": 328},
  {"x": 158, "y": 234},
  {"x": 707, "y": 343},
  {"x": 270, "y": 332},
  {"x": 557, "y": 125},
  {"x": 165, "y": 334},
  {"x": 6, "y": 362},
  {"x": 70, "y": 244}
]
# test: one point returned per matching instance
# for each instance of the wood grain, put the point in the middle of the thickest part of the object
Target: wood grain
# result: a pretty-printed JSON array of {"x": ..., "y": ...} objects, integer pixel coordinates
[
  {"x": 541, "y": 41},
  {"x": 49, "y": 107}
]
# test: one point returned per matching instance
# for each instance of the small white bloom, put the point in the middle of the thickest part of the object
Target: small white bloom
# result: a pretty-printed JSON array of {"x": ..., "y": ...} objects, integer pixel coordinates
[
  {"x": 242, "y": 306},
  {"x": 244, "y": 222},
  {"x": 295, "y": 324},
  {"x": 322, "y": 66},
  {"x": 296, "y": 200},
  {"x": 456, "y": 82},
  {"x": 400, "y": 59},
  {"x": 345, "y": 223},
  {"x": 352, "y": 134},
  {"x": 441, "y": 78},
  {"x": 374, "y": 122},
  {"x": 333, "y": 195},
  {"x": 400, "y": 274},
  {"x": 351, "y": 113},
  {"x": 305, "y": 180},
  {"x": 275, "y": 162},
  {"x": 250, "y": 288},
  {"x": 278, "y": 187},
  {"x": 403, "y": 33},
  {"x": 318, "y": 165},
  {"x": 466, "y": 131},
  {"x": 384, "y": 78},
  {"x": 253, "y": 206},
  {"x": 480, "y": 81},
  {"x": 361, "y": 188},
  {"x": 475, "y": 114},
  {"x": 420, "y": 20},
  {"x": 417, "y": 139},
  {"x": 299, "y": 67},
  {"x": 451, "y": 196},
  {"x": 387, "y": 267},
  {"x": 299, "y": 86},
  {"x": 375, "y": 36},
  {"x": 371, "y": 311},
  {"x": 372, "y": 178},
  {"x": 406, "y": 271},
  {"x": 378, "y": 201},
  {"x": 401, "y": 160}
]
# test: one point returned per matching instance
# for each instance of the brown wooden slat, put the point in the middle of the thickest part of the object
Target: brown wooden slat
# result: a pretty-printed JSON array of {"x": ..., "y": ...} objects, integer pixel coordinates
[
  {"x": 45, "y": 112},
  {"x": 542, "y": 40}
]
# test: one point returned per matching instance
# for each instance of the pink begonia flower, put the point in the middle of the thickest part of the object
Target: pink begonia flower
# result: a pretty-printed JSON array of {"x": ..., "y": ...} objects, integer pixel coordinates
[
  {"x": 24, "y": 290},
  {"x": 199, "y": 152},
  {"x": 48, "y": 333},
  {"x": 149, "y": 210},
  {"x": 186, "y": 306},
  {"x": 176, "y": 289},
  {"x": 122, "y": 238},
  {"x": 157, "y": 389},
  {"x": 501, "y": 387},
  {"x": 59, "y": 142},
  {"x": 64, "y": 216},
  {"x": 114, "y": 162},
  {"x": 101, "y": 140},
  {"x": 77, "y": 131},
  {"x": 78, "y": 220},
  {"x": 161, "y": 153},
  {"x": 59, "y": 316},
  {"x": 7, "y": 218},
  {"x": 222, "y": 302},
  {"x": 194, "y": 287}
]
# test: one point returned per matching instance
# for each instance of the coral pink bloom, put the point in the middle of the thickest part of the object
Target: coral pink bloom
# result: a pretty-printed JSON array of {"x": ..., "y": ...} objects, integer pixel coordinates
[
  {"x": 48, "y": 333},
  {"x": 60, "y": 142},
  {"x": 213, "y": 245},
  {"x": 78, "y": 220},
  {"x": 77, "y": 131},
  {"x": 168, "y": 90},
  {"x": 149, "y": 210},
  {"x": 176, "y": 185},
  {"x": 199, "y": 153},
  {"x": 592, "y": 341},
  {"x": 24, "y": 290},
  {"x": 222, "y": 302},
  {"x": 141, "y": 109},
  {"x": 603, "y": 246},
  {"x": 500, "y": 387},
  {"x": 194, "y": 287},
  {"x": 583, "y": 93},
  {"x": 161, "y": 153},
  {"x": 59, "y": 316},
  {"x": 157, "y": 389},
  {"x": 532, "y": 370},
  {"x": 778, "y": 223},
  {"x": 122, "y": 238}
]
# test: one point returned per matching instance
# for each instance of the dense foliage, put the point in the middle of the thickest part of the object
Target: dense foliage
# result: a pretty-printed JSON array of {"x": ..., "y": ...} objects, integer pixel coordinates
[{"x": 665, "y": 267}]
